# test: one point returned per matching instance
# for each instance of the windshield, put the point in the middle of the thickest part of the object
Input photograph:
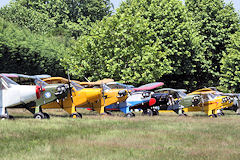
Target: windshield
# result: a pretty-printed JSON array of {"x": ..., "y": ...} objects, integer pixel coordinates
[
  {"x": 40, "y": 82},
  {"x": 106, "y": 88},
  {"x": 8, "y": 80},
  {"x": 77, "y": 86},
  {"x": 182, "y": 94},
  {"x": 211, "y": 96}
]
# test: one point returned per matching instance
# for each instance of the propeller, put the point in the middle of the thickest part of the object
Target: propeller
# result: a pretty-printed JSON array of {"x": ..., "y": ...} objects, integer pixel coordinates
[
  {"x": 103, "y": 94},
  {"x": 69, "y": 85}
]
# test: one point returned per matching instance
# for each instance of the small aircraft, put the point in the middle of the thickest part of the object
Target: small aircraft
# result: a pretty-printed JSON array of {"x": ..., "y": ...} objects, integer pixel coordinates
[
  {"x": 49, "y": 92},
  {"x": 210, "y": 102},
  {"x": 137, "y": 96},
  {"x": 13, "y": 95},
  {"x": 233, "y": 99},
  {"x": 95, "y": 98},
  {"x": 169, "y": 99}
]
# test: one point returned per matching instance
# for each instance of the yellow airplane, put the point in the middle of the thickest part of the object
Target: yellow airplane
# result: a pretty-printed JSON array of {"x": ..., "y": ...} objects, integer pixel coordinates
[
  {"x": 210, "y": 103},
  {"x": 80, "y": 97}
]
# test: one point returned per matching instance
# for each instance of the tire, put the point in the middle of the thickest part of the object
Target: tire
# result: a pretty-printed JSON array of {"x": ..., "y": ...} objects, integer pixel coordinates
[
  {"x": 147, "y": 112},
  {"x": 46, "y": 116},
  {"x": 129, "y": 115},
  {"x": 39, "y": 115},
  {"x": 183, "y": 115},
  {"x": 155, "y": 113},
  {"x": 212, "y": 116},
  {"x": 76, "y": 115}
]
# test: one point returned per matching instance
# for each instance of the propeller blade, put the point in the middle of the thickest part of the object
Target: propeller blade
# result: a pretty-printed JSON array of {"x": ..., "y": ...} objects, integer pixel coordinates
[
  {"x": 103, "y": 94},
  {"x": 69, "y": 85}
]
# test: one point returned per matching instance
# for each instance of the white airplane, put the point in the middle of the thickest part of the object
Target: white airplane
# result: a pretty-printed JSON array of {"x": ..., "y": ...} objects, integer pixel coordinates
[{"x": 13, "y": 95}]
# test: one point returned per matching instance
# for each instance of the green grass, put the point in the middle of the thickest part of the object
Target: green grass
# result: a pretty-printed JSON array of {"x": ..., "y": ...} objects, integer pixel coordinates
[{"x": 114, "y": 137}]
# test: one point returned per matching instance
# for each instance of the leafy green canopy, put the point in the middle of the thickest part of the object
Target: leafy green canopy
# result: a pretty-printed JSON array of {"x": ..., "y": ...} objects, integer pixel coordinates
[
  {"x": 142, "y": 42},
  {"x": 24, "y": 52},
  {"x": 215, "y": 22},
  {"x": 56, "y": 16},
  {"x": 230, "y": 78}
]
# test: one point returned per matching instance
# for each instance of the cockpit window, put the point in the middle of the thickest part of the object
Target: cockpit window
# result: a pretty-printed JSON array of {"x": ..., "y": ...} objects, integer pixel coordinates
[
  {"x": 8, "y": 80},
  {"x": 182, "y": 94},
  {"x": 77, "y": 86},
  {"x": 40, "y": 82}
]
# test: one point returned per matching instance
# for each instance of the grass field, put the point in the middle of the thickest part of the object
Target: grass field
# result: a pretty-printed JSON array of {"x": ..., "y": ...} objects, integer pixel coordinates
[{"x": 114, "y": 137}]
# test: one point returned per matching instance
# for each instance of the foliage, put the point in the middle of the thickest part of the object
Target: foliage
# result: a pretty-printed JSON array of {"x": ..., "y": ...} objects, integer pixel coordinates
[
  {"x": 216, "y": 22},
  {"x": 56, "y": 16},
  {"x": 140, "y": 43},
  {"x": 24, "y": 52},
  {"x": 230, "y": 78}
]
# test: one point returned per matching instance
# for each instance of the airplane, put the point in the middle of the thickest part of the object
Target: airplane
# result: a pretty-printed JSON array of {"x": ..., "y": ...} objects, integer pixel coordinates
[
  {"x": 137, "y": 96},
  {"x": 206, "y": 101},
  {"x": 13, "y": 95},
  {"x": 210, "y": 103},
  {"x": 49, "y": 92},
  {"x": 231, "y": 97},
  {"x": 168, "y": 99},
  {"x": 95, "y": 98}
]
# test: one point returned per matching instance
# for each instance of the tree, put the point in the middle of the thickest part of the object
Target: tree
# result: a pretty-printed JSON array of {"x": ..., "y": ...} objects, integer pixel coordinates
[
  {"x": 142, "y": 42},
  {"x": 215, "y": 22},
  {"x": 230, "y": 68},
  {"x": 57, "y": 16},
  {"x": 24, "y": 52}
]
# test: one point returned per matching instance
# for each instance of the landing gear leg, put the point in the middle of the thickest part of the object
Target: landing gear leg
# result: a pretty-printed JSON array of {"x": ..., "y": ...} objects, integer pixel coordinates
[
  {"x": 4, "y": 114},
  {"x": 129, "y": 115},
  {"x": 39, "y": 114}
]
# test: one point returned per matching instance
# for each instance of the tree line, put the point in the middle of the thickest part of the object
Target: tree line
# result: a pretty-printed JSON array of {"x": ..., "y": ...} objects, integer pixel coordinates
[{"x": 186, "y": 45}]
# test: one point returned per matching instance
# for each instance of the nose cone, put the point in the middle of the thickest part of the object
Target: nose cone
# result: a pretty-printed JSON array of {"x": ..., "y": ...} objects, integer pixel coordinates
[{"x": 152, "y": 101}]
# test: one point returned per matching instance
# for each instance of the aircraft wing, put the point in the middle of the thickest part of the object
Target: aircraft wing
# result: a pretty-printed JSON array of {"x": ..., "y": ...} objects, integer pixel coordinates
[
  {"x": 149, "y": 86},
  {"x": 171, "y": 89}
]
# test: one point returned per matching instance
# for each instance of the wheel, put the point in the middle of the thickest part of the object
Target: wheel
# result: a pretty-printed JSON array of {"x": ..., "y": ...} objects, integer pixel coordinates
[
  {"x": 129, "y": 115},
  {"x": 183, "y": 114},
  {"x": 7, "y": 117},
  {"x": 80, "y": 115},
  {"x": 39, "y": 115},
  {"x": 147, "y": 112},
  {"x": 46, "y": 116},
  {"x": 108, "y": 113},
  {"x": 212, "y": 116},
  {"x": 155, "y": 113},
  {"x": 76, "y": 115}
]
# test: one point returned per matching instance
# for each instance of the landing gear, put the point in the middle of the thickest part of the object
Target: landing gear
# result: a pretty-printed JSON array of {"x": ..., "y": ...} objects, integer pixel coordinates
[
  {"x": 41, "y": 115},
  {"x": 108, "y": 113},
  {"x": 183, "y": 114},
  {"x": 155, "y": 113},
  {"x": 46, "y": 116},
  {"x": 147, "y": 112},
  {"x": 212, "y": 116},
  {"x": 76, "y": 115},
  {"x": 129, "y": 115},
  {"x": 220, "y": 113},
  {"x": 7, "y": 117}
]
